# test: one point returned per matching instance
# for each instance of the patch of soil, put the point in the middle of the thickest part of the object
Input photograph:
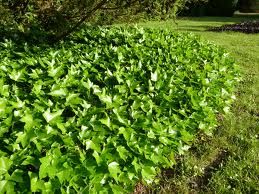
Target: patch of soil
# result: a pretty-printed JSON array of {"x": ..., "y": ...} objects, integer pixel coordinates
[
  {"x": 140, "y": 189},
  {"x": 248, "y": 27}
]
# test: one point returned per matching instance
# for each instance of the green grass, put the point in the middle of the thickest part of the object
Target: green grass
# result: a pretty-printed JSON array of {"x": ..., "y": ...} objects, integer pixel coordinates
[{"x": 228, "y": 161}]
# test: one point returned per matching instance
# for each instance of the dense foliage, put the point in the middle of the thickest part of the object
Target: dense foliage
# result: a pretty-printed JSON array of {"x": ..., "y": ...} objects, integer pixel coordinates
[
  {"x": 247, "y": 5},
  {"x": 221, "y": 7},
  {"x": 107, "y": 109},
  {"x": 60, "y": 18},
  {"x": 212, "y": 8}
]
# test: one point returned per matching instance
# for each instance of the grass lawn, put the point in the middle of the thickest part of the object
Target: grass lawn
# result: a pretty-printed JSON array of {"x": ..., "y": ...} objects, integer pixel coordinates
[{"x": 227, "y": 162}]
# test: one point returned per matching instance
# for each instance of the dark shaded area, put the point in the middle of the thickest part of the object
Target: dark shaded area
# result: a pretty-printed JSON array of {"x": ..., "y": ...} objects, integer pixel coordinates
[
  {"x": 245, "y": 27},
  {"x": 247, "y": 6},
  {"x": 33, "y": 37},
  {"x": 254, "y": 113},
  {"x": 235, "y": 18},
  {"x": 224, "y": 8}
]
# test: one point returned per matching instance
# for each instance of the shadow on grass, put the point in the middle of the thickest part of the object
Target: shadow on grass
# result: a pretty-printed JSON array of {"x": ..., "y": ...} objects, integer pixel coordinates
[
  {"x": 222, "y": 19},
  {"x": 186, "y": 29}
]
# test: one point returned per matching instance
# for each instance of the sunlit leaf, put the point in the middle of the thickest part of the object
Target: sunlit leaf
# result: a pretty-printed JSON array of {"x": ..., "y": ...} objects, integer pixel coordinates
[
  {"x": 114, "y": 169},
  {"x": 51, "y": 116}
]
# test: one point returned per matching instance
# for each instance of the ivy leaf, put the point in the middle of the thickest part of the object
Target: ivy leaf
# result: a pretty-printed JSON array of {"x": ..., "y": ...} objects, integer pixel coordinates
[
  {"x": 126, "y": 132},
  {"x": 7, "y": 186},
  {"x": 17, "y": 176},
  {"x": 3, "y": 103},
  {"x": 37, "y": 88},
  {"x": 51, "y": 116},
  {"x": 114, "y": 169},
  {"x": 120, "y": 56},
  {"x": 136, "y": 165},
  {"x": 5, "y": 164},
  {"x": 97, "y": 157},
  {"x": 28, "y": 120},
  {"x": 59, "y": 92},
  {"x": 148, "y": 173},
  {"x": 55, "y": 72},
  {"x": 154, "y": 76},
  {"x": 106, "y": 121},
  {"x": 120, "y": 119},
  {"x": 151, "y": 134},
  {"x": 4, "y": 89},
  {"x": 36, "y": 184},
  {"x": 123, "y": 152},
  {"x": 73, "y": 99},
  {"x": 16, "y": 75},
  {"x": 89, "y": 144},
  {"x": 46, "y": 168},
  {"x": 116, "y": 189}
]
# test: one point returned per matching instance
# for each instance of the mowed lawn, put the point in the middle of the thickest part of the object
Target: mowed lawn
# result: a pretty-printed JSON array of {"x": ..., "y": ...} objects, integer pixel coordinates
[{"x": 228, "y": 161}]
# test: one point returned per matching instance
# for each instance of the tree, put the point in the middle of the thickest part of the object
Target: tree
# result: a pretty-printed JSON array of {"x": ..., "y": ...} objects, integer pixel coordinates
[{"x": 61, "y": 17}]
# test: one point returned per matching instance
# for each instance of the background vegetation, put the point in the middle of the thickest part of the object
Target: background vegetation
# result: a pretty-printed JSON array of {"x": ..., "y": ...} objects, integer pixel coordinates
[{"x": 59, "y": 18}]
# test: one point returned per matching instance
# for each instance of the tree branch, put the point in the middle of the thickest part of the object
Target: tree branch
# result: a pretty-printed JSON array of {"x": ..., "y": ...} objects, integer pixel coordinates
[
  {"x": 81, "y": 21},
  {"x": 119, "y": 7}
]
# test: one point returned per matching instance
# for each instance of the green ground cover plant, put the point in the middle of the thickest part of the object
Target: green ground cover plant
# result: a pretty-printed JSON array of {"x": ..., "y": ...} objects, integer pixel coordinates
[
  {"x": 226, "y": 162},
  {"x": 107, "y": 108}
]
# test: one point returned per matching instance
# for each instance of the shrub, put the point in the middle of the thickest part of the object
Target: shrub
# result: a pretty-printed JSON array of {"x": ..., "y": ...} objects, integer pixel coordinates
[
  {"x": 105, "y": 109},
  {"x": 212, "y": 8},
  {"x": 58, "y": 19},
  {"x": 221, "y": 8}
]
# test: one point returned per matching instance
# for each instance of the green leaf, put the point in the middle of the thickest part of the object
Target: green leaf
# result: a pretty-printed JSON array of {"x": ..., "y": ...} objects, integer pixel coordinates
[
  {"x": 148, "y": 173},
  {"x": 127, "y": 133},
  {"x": 59, "y": 92},
  {"x": 4, "y": 89},
  {"x": 154, "y": 76},
  {"x": 106, "y": 121},
  {"x": 89, "y": 144},
  {"x": 123, "y": 152},
  {"x": 51, "y": 116},
  {"x": 7, "y": 187},
  {"x": 120, "y": 119},
  {"x": 116, "y": 189},
  {"x": 16, "y": 75},
  {"x": 47, "y": 167},
  {"x": 73, "y": 99},
  {"x": 55, "y": 72},
  {"x": 97, "y": 157},
  {"x": 3, "y": 103},
  {"x": 136, "y": 165},
  {"x": 114, "y": 169},
  {"x": 36, "y": 184},
  {"x": 5, "y": 164},
  {"x": 17, "y": 176},
  {"x": 28, "y": 120},
  {"x": 120, "y": 56},
  {"x": 37, "y": 88},
  {"x": 151, "y": 134}
]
